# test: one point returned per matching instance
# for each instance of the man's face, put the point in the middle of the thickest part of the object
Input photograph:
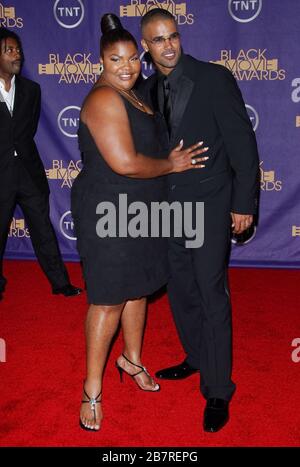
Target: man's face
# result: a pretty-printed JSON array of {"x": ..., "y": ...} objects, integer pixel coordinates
[
  {"x": 161, "y": 39},
  {"x": 10, "y": 57}
]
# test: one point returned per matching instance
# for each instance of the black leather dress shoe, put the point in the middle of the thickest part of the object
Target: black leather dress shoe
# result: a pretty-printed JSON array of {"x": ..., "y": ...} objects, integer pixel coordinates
[
  {"x": 67, "y": 290},
  {"x": 216, "y": 415},
  {"x": 181, "y": 371}
]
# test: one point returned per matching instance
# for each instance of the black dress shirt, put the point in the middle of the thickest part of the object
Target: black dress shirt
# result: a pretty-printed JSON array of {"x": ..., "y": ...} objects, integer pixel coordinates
[{"x": 173, "y": 79}]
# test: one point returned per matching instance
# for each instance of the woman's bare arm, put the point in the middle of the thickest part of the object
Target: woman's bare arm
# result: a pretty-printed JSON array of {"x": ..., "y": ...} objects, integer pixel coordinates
[{"x": 105, "y": 115}]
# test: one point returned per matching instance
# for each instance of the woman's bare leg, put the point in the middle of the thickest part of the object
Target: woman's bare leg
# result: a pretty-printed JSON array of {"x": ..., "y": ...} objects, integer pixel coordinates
[
  {"x": 133, "y": 323},
  {"x": 101, "y": 324}
]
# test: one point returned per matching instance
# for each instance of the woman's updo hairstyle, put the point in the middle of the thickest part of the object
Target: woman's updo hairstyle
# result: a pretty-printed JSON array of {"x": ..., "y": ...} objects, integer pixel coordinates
[{"x": 113, "y": 31}]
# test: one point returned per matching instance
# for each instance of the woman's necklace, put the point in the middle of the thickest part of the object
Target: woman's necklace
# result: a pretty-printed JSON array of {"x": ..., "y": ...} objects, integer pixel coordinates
[
  {"x": 130, "y": 95},
  {"x": 133, "y": 97}
]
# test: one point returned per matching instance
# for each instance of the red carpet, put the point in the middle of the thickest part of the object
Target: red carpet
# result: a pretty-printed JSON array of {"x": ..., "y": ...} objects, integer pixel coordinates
[{"x": 42, "y": 377}]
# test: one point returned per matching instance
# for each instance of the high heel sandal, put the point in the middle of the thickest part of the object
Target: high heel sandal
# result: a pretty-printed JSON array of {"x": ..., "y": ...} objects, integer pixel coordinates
[
  {"x": 92, "y": 401},
  {"x": 142, "y": 370}
]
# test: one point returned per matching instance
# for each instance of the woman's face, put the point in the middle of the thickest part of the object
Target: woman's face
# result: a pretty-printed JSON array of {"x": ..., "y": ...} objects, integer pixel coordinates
[{"x": 121, "y": 65}]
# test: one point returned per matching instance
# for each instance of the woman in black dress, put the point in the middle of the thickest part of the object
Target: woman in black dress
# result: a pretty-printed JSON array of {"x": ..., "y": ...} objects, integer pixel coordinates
[{"x": 121, "y": 141}]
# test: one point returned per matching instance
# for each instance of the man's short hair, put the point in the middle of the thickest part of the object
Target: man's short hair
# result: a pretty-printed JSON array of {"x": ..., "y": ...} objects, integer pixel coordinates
[
  {"x": 6, "y": 34},
  {"x": 156, "y": 13}
]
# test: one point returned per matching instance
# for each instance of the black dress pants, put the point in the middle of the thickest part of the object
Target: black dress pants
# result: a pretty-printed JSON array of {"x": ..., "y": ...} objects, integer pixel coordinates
[
  {"x": 198, "y": 288},
  {"x": 35, "y": 207}
]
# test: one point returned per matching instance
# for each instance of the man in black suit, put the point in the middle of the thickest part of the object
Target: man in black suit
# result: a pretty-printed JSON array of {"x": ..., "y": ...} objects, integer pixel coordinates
[
  {"x": 22, "y": 175},
  {"x": 201, "y": 101}
]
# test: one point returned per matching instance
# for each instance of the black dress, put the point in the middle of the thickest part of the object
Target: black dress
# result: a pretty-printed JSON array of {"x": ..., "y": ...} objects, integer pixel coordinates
[{"x": 119, "y": 268}]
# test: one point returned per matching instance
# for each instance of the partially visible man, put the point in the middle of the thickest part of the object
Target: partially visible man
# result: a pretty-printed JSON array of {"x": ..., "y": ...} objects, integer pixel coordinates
[
  {"x": 22, "y": 176},
  {"x": 201, "y": 101}
]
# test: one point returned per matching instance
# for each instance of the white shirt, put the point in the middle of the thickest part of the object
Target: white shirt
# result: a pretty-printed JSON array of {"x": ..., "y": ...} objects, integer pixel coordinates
[{"x": 9, "y": 96}]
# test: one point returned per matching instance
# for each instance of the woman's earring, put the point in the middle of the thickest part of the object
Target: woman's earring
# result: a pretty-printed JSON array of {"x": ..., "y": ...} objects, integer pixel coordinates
[{"x": 101, "y": 68}]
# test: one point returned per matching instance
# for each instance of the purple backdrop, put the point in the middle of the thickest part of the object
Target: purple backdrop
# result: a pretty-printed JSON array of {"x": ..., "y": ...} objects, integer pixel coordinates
[{"x": 257, "y": 39}]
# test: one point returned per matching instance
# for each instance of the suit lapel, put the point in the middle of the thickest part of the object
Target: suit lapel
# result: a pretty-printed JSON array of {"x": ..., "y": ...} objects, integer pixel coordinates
[
  {"x": 154, "y": 96},
  {"x": 183, "y": 95},
  {"x": 3, "y": 105},
  {"x": 18, "y": 96}
]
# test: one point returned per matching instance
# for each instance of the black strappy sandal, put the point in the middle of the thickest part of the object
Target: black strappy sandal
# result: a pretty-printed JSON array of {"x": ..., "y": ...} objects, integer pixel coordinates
[
  {"x": 142, "y": 370},
  {"x": 92, "y": 401}
]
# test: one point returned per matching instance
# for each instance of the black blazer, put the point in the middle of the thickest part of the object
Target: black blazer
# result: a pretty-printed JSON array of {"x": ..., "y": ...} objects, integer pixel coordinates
[
  {"x": 17, "y": 133},
  {"x": 209, "y": 107}
]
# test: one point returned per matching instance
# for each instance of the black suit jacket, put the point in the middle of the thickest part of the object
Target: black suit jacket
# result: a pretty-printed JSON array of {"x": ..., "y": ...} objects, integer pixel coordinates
[
  {"x": 209, "y": 107},
  {"x": 17, "y": 133}
]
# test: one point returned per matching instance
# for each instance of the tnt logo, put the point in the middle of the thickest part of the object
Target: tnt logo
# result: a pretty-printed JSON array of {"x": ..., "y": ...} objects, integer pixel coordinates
[
  {"x": 68, "y": 13},
  {"x": 2, "y": 351},
  {"x": 147, "y": 67},
  {"x": 253, "y": 115},
  {"x": 68, "y": 121},
  {"x": 244, "y": 11},
  {"x": 66, "y": 225}
]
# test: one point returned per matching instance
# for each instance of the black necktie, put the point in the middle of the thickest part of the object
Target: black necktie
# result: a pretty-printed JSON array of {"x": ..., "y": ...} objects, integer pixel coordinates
[{"x": 167, "y": 103}]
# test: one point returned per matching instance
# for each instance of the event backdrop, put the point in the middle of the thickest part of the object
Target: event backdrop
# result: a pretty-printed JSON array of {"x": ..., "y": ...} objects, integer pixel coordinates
[{"x": 258, "y": 40}]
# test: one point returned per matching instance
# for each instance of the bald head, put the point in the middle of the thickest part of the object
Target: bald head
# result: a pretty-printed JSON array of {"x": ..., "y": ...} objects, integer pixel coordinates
[{"x": 155, "y": 14}]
